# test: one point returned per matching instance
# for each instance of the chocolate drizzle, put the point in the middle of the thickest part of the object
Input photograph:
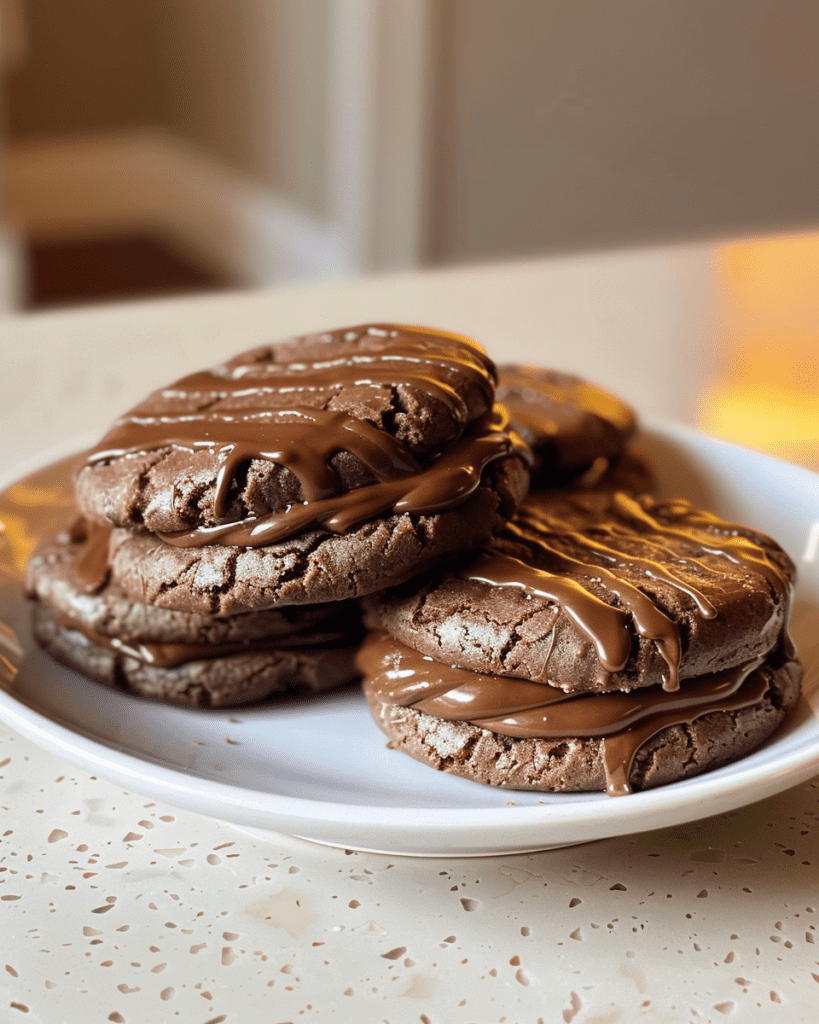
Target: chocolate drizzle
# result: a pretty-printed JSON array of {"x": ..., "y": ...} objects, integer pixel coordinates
[
  {"x": 264, "y": 408},
  {"x": 397, "y": 675},
  {"x": 395, "y": 356},
  {"x": 300, "y": 438},
  {"x": 605, "y": 625},
  {"x": 568, "y": 564},
  {"x": 447, "y": 479}
]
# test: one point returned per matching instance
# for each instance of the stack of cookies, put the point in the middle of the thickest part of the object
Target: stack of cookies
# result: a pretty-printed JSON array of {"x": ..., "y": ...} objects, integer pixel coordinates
[
  {"x": 602, "y": 639},
  {"x": 582, "y": 636},
  {"x": 231, "y": 520}
]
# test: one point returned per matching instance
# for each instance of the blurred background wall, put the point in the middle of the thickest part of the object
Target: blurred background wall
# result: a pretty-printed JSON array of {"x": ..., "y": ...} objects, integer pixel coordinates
[
  {"x": 214, "y": 72},
  {"x": 267, "y": 140},
  {"x": 611, "y": 121},
  {"x": 160, "y": 147}
]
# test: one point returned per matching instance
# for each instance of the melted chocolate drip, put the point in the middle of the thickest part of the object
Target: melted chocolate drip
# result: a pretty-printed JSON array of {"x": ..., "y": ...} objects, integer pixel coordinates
[
  {"x": 521, "y": 709},
  {"x": 564, "y": 579},
  {"x": 445, "y": 481},
  {"x": 236, "y": 411},
  {"x": 301, "y": 438},
  {"x": 264, "y": 408},
  {"x": 93, "y": 566}
]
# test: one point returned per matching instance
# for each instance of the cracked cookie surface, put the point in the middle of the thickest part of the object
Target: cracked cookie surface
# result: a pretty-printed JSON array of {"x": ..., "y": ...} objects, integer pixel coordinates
[
  {"x": 593, "y": 591},
  {"x": 227, "y": 443},
  {"x": 316, "y": 566},
  {"x": 53, "y": 578}
]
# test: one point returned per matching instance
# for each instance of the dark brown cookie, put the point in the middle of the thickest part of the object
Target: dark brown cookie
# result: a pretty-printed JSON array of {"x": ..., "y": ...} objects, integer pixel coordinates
[
  {"x": 54, "y": 577},
  {"x": 317, "y": 565},
  {"x": 646, "y": 742},
  {"x": 226, "y": 680},
  {"x": 315, "y": 470},
  {"x": 598, "y": 590},
  {"x": 307, "y": 418},
  {"x": 566, "y": 421}
]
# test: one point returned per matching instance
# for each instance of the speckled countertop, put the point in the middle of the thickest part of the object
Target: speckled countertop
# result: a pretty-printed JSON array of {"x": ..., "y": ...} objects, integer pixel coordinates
[{"x": 115, "y": 907}]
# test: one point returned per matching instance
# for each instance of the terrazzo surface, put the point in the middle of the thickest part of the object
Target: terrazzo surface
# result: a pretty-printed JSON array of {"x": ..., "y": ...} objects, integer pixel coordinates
[{"x": 117, "y": 908}]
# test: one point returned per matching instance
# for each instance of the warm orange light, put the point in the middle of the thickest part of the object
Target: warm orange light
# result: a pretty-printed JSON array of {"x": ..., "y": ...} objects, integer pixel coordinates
[
  {"x": 767, "y": 332},
  {"x": 772, "y": 277}
]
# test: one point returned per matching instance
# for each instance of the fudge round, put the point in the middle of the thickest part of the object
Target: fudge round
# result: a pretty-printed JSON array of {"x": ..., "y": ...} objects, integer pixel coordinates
[
  {"x": 300, "y": 420},
  {"x": 219, "y": 680},
  {"x": 568, "y": 422},
  {"x": 598, "y": 590}
]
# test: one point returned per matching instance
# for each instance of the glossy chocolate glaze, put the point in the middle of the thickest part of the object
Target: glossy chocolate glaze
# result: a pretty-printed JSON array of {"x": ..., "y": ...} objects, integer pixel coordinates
[
  {"x": 565, "y": 560},
  {"x": 396, "y": 674},
  {"x": 444, "y": 481},
  {"x": 255, "y": 407},
  {"x": 263, "y": 410},
  {"x": 300, "y": 438}
]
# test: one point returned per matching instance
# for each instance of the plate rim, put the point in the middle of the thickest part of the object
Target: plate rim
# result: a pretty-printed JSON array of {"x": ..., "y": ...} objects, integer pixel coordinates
[{"x": 722, "y": 789}]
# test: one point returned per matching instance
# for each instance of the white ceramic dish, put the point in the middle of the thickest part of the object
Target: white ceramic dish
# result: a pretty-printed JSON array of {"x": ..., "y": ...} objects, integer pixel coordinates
[{"x": 320, "y": 769}]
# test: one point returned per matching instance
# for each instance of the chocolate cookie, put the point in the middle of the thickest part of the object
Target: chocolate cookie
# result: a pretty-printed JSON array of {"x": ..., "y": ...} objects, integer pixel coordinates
[
  {"x": 226, "y": 677},
  {"x": 566, "y": 421},
  {"x": 88, "y": 623},
  {"x": 525, "y": 735},
  {"x": 58, "y": 575},
  {"x": 317, "y": 565},
  {"x": 598, "y": 590},
  {"x": 315, "y": 470},
  {"x": 300, "y": 421}
]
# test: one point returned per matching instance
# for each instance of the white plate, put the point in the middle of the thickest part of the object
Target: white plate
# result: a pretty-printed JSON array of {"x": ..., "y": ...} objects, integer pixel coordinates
[{"x": 320, "y": 769}]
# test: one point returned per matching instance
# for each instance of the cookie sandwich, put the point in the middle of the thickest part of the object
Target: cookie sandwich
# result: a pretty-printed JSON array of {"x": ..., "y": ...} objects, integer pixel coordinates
[
  {"x": 302, "y": 475},
  {"x": 601, "y": 640},
  {"x": 84, "y": 620}
]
